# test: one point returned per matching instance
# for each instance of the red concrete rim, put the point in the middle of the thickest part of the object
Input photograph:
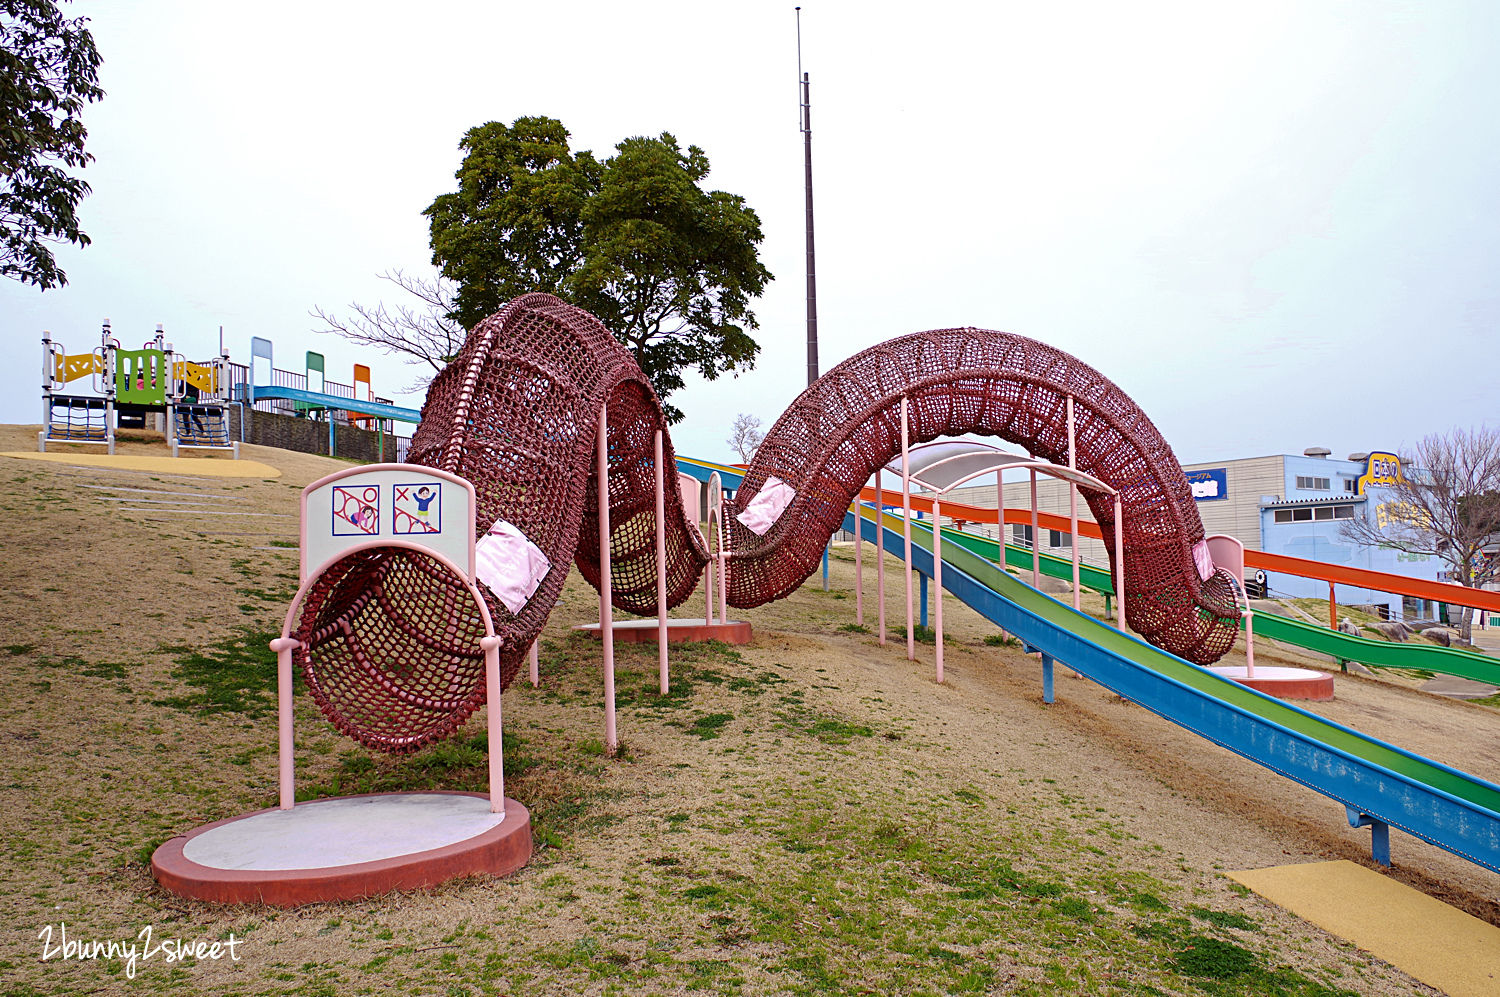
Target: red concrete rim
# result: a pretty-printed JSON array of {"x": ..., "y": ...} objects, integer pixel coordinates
[
  {"x": 678, "y": 631},
  {"x": 1318, "y": 687},
  {"x": 499, "y": 851}
]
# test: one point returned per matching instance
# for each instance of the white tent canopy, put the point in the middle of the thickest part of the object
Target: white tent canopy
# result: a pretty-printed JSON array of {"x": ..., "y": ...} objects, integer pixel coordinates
[{"x": 942, "y": 465}]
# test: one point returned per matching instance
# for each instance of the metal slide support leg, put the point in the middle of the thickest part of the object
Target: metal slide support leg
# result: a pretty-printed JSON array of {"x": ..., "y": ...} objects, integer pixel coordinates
[
  {"x": 606, "y": 597},
  {"x": 491, "y": 648},
  {"x": 1046, "y": 677},
  {"x": 825, "y": 565},
  {"x": 858, "y": 561},
  {"x": 284, "y": 646},
  {"x": 1036, "y": 537},
  {"x": 661, "y": 566},
  {"x": 937, "y": 587},
  {"x": 1380, "y": 834},
  {"x": 911, "y": 633},
  {"x": 922, "y": 596},
  {"x": 880, "y": 558}
]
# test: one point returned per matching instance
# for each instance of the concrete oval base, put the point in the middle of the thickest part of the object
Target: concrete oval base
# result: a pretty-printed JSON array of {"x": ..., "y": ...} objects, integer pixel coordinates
[
  {"x": 1281, "y": 682},
  {"x": 345, "y": 848},
  {"x": 678, "y": 631}
]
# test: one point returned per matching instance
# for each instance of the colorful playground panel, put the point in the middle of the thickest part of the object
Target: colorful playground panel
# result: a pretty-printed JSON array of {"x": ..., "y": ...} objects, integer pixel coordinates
[{"x": 403, "y": 504}]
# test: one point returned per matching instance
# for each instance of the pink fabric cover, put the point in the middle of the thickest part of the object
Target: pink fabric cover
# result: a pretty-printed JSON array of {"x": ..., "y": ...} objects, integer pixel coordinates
[
  {"x": 1203, "y": 559},
  {"x": 767, "y": 506},
  {"x": 510, "y": 564}
]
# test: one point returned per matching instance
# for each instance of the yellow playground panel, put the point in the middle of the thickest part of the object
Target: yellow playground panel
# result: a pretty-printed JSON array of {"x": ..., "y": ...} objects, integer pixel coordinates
[
  {"x": 81, "y": 365},
  {"x": 201, "y": 376}
]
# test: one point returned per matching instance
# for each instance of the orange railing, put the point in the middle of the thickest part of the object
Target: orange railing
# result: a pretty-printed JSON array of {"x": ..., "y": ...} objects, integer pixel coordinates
[{"x": 1376, "y": 581}]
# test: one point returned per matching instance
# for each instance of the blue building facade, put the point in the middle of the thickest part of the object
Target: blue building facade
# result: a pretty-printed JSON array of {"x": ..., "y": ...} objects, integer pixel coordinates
[{"x": 1306, "y": 520}]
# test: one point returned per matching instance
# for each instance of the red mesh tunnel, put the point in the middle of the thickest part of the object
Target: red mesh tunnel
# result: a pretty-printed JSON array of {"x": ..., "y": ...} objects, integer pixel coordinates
[
  {"x": 390, "y": 639},
  {"x": 973, "y": 381}
]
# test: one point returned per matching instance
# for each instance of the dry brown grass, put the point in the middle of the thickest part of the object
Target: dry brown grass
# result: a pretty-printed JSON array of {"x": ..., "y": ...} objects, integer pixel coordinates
[{"x": 809, "y": 814}]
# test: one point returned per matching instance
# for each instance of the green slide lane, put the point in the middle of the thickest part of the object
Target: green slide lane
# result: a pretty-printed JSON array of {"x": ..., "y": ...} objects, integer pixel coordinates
[
  {"x": 1146, "y": 656},
  {"x": 1312, "y": 636}
]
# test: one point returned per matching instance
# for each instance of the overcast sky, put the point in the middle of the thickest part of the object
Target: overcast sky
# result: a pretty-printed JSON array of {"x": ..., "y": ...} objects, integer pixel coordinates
[{"x": 1275, "y": 225}]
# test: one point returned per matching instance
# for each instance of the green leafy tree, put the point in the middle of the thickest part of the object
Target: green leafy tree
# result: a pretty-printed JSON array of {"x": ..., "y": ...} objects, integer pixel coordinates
[
  {"x": 49, "y": 69},
  {"x": 669, "y": 267}
]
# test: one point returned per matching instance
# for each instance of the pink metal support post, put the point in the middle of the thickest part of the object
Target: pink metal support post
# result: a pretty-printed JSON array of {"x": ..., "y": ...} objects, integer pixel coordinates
[
  {"x": 723, "y": 564},
  {"x": 859, "y": 562},
  {"x": 661, "y": 566},
  {"x": 535, "y": 666},
  {"x": 1036, "y": 537},
  {"x": 1249, "y": 641},
  {"x": 1120, "y": 561},
  {"x": 491, "y": 647},
  {"x": 712, "y": 517},
  {"x": 880, "y": 553},
  {"x": 1073, "y": 503},
  {"x": 937, "y": 581},
  {"x": 911, "y": 636},
  {"x": 606, "y": 601},
  {"x": 284, "y": 646}
]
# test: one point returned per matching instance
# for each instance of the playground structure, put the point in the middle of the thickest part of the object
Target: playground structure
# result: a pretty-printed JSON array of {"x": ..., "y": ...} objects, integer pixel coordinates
[
  {"x": 955, "y": 382},
  {"x": 264, "y": 387},
  {"x": 348, "y": 847},
  {"x": 129, "y": 385},
  {"x": 557, "y": 430}
]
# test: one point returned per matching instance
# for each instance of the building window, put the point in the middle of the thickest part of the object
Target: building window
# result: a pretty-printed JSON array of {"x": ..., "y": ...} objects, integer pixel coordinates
[
  {"x": 1056, "y": 538},
  {"x": 1314, "y": 514},
  {"x": 1021, "y": 534},
  {"x": 1312, "y": 484},
  {"x": 1351, "y": 486}
]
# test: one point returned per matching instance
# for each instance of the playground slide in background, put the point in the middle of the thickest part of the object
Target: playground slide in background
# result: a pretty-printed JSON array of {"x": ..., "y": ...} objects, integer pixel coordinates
[
  {"x": 1323, "y": 640},
  {"x": 1311, "y": 636},
  {"x": 1375, "y": 581},
  {"x": 1374, "y": 780}
]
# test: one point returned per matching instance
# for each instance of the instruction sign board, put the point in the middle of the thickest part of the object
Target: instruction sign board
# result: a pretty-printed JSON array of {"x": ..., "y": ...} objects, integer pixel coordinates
[{"x": 403, "y": 504}]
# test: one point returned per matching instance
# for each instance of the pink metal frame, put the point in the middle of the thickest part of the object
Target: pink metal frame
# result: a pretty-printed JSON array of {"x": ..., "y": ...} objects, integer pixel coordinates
[
  {"x": 937, "y": 535},
  {"x": 286, "y": 644},
  {"x": 606, "y": 603}
]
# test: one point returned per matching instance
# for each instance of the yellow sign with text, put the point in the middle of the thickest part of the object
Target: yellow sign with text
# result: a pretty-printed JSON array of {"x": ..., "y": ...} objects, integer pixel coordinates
[{"x": 1382, "y": 470}]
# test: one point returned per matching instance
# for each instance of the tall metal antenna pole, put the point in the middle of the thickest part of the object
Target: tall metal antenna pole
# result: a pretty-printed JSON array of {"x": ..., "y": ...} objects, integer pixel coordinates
[{"x": 812, "y": 269}]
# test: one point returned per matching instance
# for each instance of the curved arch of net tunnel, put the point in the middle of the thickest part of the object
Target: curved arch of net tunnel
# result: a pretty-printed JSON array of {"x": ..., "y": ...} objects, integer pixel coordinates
[
  {"x": 390, "y": 646},
  {"x": 516, "y": 413},
  {"x": 974, "y": 381}
]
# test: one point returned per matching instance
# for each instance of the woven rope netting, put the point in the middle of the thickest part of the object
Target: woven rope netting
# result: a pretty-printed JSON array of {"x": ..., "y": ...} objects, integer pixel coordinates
[
  {"x": 390, "y": 638},
  {"x": 390, "y": 643},
  {"x": 973, "y": 381}
]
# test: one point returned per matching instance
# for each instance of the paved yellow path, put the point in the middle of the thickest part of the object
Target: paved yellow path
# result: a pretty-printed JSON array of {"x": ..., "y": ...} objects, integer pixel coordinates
[
  {"x": 205, "y": 466},
  {"x": 1423, "y": 937}
]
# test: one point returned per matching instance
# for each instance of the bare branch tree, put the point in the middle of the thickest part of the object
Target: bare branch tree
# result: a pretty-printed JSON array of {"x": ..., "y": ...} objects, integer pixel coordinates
[
  {"x": 745, "y": 436},
  {"x": 421, "y": 333},
  {"x": 1444, "y": 502}
]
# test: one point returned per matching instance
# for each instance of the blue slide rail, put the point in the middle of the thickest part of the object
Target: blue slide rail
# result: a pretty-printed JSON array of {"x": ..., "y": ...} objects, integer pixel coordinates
[
  {"x": 1373, "y": 795},
  {"x": 318, "y": 399}
]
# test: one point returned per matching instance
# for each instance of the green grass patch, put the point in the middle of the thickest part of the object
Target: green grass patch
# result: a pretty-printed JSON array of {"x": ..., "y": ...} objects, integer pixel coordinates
[{"x": 236, "y": 676}]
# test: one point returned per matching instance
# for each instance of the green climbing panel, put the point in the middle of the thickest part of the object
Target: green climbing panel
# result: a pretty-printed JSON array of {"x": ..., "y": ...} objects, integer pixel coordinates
[{"x": 140, "y": 377}]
